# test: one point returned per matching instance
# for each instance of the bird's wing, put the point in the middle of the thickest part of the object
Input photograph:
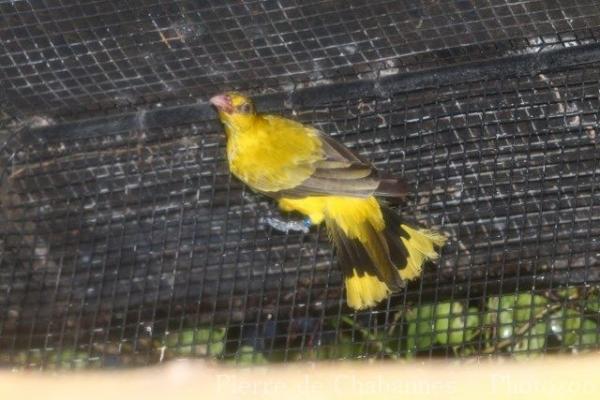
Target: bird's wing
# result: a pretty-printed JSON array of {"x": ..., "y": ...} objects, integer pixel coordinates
[{"x": 337, "y": 172}]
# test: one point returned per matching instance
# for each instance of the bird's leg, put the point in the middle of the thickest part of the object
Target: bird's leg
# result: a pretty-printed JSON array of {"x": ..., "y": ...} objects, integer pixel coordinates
[{"x": 287, "y": 225}]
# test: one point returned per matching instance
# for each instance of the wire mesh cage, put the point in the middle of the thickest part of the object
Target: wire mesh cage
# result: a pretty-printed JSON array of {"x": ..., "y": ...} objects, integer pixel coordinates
[{"x": 124, "y": 240}]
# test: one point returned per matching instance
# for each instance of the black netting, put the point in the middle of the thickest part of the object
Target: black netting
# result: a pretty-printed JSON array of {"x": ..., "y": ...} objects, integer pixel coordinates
[
  {"x": 66, "y": 57},
  {"x": 124, "y": 240}
]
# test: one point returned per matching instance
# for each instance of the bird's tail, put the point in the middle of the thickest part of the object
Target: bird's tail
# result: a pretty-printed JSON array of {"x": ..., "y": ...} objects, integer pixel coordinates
[{"x": 377, "y": 251}]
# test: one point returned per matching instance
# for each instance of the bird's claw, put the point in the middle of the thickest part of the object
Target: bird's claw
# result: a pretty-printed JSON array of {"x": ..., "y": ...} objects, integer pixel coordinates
[{"x": 286, "y": 226}]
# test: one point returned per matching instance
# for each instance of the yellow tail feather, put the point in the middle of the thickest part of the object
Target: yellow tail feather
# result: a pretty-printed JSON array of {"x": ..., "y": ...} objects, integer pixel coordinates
[
  {"x": 364, "y": 291},
  {"x": 420, "y": 246},
  {"x": 370, "y": 242}
]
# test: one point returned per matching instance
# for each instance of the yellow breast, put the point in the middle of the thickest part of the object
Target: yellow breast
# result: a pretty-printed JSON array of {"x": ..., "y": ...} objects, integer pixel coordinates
[{"x": 273, "y": 154}]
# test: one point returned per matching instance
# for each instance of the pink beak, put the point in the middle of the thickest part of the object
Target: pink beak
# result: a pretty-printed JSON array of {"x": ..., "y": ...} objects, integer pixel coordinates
[{"x": 222, "y": 102}]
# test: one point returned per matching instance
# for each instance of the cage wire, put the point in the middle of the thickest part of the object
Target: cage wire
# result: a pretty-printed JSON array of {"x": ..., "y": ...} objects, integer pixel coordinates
[{"x": 124, "y": 240}]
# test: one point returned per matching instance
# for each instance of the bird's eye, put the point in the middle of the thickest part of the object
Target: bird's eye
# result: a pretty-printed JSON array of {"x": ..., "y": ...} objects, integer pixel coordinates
[{"x": 245, "y": 108}]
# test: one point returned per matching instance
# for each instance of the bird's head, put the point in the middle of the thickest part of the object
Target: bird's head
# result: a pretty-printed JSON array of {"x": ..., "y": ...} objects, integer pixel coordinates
[{"x": 236, "y": 111}]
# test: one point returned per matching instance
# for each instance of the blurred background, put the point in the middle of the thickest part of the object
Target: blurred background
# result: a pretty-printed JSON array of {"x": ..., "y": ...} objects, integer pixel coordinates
[{"x": 124, "y": 240}]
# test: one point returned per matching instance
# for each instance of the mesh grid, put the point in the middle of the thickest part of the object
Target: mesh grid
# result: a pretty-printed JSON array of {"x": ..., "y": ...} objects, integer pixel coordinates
[
  {"x": 125, "y": 241},
  {"x": 65, "y": 58}
]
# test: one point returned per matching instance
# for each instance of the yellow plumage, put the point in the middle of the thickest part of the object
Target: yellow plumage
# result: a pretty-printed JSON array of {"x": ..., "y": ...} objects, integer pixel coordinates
[
  {"x": 420, "y": 245},
  {"x": 348, "y": 212},
  {"x": 364, "y": 291},
  {"x": 253, "y": 158},
  {"x": 315, "y": 176}
]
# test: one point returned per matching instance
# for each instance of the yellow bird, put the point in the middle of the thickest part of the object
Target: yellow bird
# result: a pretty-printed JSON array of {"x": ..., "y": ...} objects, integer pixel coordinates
[{"x": 311, "y": 173}]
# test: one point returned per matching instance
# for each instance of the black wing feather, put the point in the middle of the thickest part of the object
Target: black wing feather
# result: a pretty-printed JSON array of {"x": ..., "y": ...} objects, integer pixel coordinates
[{"x": 344, "y": 173}]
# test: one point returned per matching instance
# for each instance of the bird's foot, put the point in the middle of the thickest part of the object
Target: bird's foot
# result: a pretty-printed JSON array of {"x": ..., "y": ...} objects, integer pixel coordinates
[{"x": 286, "y": 226}]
